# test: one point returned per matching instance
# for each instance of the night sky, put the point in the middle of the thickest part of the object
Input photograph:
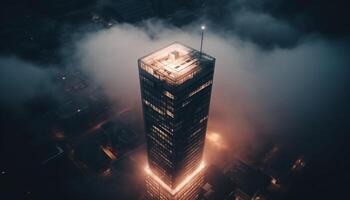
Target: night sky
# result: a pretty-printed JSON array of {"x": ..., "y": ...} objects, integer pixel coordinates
[{"x": 281, "y": 79}]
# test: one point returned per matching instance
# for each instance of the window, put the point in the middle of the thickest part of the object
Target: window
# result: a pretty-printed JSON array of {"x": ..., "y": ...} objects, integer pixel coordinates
[
  {"x": 203, "y": 119},
  {"x": 200, "y": 88},
  {"x": 168, "y": 94},
  {"x": 154, "y": 107},
  {"x": 170, "y": 113},
  {"x": 185, "y": 103}
]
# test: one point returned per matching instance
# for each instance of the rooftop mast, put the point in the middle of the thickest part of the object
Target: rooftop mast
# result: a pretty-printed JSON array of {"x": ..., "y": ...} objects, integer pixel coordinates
[{"x": 202, "y": 28}]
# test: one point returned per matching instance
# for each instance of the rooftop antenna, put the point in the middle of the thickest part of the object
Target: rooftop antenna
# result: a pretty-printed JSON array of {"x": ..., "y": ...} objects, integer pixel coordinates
[{"x": 202, "y": 28}]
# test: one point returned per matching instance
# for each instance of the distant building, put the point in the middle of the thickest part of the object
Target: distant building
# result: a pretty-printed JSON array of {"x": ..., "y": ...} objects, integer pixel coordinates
[
  {"x": 92, "y": 156},
  {"x": 176, "y": 84},
  {"x": 217, "y": 186},
  {"x": 118, "y": 135},
  {"x": 249, "y": 183}
]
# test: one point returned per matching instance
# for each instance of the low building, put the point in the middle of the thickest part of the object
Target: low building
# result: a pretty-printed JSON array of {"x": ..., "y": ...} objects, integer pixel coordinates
[
  {"x": 250, "y": 183},
  {"x": 119, "y": 136},
  {"x": 91, "y": 156}
]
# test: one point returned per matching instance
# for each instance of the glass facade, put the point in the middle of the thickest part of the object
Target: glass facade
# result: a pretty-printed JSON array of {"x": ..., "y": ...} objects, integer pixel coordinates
[{"x": 176, "y": 84}]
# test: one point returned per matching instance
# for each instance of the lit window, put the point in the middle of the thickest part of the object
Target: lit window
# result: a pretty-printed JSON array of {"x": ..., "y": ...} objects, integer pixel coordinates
[
  {"x": 203, "y": 119},
  {"x": 168, "y": 94},
  {"x": 200, "y": 88},
  {"x": 154, "y": 107},
  {"x": 170, "y": 113},
  {"x": 185, "y": 103}
]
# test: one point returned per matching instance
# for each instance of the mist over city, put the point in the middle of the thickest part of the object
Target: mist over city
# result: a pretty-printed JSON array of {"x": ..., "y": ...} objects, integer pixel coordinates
[{"x": 86, "y": 105}]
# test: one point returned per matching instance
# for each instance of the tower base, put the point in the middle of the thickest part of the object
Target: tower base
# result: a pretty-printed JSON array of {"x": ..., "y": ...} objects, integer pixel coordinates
[{"x": 189, "y": 191}]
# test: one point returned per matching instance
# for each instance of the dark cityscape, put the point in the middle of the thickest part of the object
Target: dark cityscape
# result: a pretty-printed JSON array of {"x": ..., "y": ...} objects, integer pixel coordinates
[{"x": 174, "y": 100}]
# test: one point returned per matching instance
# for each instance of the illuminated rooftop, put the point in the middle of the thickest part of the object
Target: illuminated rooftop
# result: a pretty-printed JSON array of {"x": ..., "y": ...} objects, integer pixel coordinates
[{"x": 175, "y": 63}]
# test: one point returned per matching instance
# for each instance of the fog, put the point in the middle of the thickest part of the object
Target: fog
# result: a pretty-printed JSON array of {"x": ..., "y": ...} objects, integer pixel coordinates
[
  {"x": 271, "y": 78},
  {"x": 256, "y": 92},
  {"x": 281, "y": 78}
]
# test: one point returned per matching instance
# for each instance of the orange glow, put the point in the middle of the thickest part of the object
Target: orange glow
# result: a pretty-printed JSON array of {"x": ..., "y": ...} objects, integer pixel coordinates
[
  {"x": 96, "y": 126},
  {"x": 181, "y": 185},
  {"x": 124, "y": 110},
  {"x": 216, "y": 140},
  {"x": 103, "y": 121},
  {"x": 59, "y": 135},
  {"x": 109, "y": 153},
  {"x": 213, "y": 137},
  {"x": 274, "y": 181},
  {"x": 107, "y": 172},
  {"x": 298, "y": 164}
]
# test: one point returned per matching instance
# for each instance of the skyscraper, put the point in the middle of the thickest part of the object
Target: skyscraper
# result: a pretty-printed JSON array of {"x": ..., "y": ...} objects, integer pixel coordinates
[{"x": 176, "y": 84}]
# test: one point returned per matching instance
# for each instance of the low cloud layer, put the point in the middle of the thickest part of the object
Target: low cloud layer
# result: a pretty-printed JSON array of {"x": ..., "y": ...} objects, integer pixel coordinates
[
  {"x": 255, "y": 91},
  {"x": 264, "y": 29},
  {"x": 281, "y": 78}
]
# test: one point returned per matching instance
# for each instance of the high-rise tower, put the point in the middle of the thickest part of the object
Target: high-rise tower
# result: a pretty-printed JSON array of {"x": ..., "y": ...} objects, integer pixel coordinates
[{"x": 176, "y": 84}]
